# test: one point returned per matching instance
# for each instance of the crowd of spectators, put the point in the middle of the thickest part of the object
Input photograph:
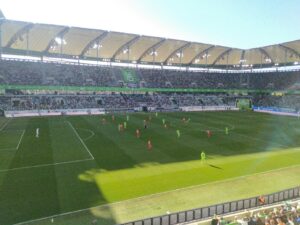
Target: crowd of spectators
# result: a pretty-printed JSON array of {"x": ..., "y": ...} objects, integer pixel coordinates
[
  {"x": 111, "y": 101},
  {"x": 45, "y": 74},
  {"x": 67, "y": 75},
  {"x": 287, "y": 214},
  {"x": 284, "y": 101},
  {"x": 48, "y": 74}
]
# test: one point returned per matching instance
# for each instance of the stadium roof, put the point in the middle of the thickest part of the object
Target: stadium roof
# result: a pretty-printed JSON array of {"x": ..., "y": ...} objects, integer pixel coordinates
[{"x": 34, "y": 39}]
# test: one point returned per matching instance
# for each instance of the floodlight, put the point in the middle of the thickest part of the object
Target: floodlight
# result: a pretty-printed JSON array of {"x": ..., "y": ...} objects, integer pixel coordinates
[
  {"x": 268, "y": 60},
  {"x": 154, "y": 53},
  {"x": 179, "y": 54},
  {"x": 60, "y": 41},
  {"x": 95, "y": 46}
]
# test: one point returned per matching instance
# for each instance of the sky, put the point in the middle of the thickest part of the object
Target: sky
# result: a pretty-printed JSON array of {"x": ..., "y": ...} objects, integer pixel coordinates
[{"x": 233, "y": 23}]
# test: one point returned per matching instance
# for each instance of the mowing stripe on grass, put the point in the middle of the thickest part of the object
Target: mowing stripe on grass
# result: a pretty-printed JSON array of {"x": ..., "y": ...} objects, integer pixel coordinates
[{"x": 82, "y": 142}]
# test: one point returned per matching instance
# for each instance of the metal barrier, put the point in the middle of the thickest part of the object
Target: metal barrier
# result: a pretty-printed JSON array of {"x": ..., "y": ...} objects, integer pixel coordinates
[{"x": 224, "y": 208}]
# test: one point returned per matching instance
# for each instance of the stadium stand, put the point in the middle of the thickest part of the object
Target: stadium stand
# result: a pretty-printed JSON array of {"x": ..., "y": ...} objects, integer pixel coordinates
[
  {"x": 109, "y": 101},
  {"x": 43, "y": 75},
  {"x": 36, "y": 73}
]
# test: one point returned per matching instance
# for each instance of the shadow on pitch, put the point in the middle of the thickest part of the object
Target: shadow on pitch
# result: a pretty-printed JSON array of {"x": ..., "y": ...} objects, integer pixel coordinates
[{"x": 216, "y": 167}]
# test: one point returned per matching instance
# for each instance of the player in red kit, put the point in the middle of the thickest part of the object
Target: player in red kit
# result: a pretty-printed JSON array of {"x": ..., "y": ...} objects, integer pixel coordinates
[
  {"x": 137, "y": 133},
  {"x": 149, "y": 145},
  {"x": 209, "y": 133},
  {"x": 121, "y": 127}
]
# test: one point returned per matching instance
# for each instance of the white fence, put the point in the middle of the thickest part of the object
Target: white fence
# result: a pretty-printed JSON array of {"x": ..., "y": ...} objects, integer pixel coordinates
[
  {"x": 56, "y": 112},
  {"x": 208, "y": 108}
]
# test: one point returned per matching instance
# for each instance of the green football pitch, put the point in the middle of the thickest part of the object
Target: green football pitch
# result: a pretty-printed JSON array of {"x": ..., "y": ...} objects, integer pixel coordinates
[{"x": 82, "y": 169}]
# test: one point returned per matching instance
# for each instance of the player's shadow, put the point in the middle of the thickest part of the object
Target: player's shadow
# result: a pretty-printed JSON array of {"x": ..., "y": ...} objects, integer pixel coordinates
[{"x": 216, "y": 167}]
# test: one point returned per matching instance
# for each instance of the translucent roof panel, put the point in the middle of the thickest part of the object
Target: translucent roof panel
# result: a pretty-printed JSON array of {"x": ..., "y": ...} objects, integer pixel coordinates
[
  {"x": 232, "y": 58},
  {"x": 277, "y": 53},
  {"x": 189, "y": 53},
  {"x": 255, "y": 57},
  {"x": 138, "y": 48},
  {"x": 76, "y": 39},
  {"x": 9, "y": 28},
  {"x": 294, "y": 45},
  {"x": 39, "y": 37},
  {"x": 293, "y": 55},
  {"x": 110, "y": 44},
  {"x": 163, "y": 51},
  {"x": 211, "y": 56}
]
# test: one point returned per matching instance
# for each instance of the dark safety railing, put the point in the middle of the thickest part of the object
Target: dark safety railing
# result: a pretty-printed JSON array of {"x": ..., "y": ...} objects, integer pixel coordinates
[{"x": 224, "y": 208}]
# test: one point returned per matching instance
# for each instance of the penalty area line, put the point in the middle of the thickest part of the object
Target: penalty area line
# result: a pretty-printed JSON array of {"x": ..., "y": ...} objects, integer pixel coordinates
[
  {"x": 20, "y": 139},
  {"x": 91, "y": 132},
  {"x": 19, "y": 142},
  {"x": 82, "y": 142}
]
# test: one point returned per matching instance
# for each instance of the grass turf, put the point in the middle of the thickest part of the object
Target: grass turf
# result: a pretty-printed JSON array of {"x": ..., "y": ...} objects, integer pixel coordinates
[{"x": 78, "y": 162}]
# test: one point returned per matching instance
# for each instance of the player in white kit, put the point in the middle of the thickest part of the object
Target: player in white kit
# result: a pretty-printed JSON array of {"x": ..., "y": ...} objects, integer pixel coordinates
[{"x": 37, "y": 132}]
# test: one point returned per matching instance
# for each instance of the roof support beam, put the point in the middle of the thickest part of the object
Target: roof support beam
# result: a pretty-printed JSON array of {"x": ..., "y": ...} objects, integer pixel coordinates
[
  {"x": 205, "y": 51},
  {"x": 18, "y": 34},
  {"x": 96, "y": 40},
  {"x": 153, "y": 47},
  {"x": 177, "y": 50},
  {"x": 221, "y": 55},
  {"x": 290, "y": 50},
  {"x": 127, "y": 44},
  {"x": 264, "y": 52},
  {"x": 242, "y": 57},
  {"x": 59, "y": 34}
]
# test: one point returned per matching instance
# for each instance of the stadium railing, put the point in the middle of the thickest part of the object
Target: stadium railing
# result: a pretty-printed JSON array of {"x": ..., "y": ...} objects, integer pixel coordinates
[{"x": 219, "y": 209}]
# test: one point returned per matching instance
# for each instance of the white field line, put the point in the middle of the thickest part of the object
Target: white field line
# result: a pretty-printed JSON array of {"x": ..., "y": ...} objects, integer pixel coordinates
[
  {"x": 82, "y": 142},
  {"x": 159, "y": 194},
  {"x": 20, "y": 139},
  {"x": 91, "y": 132},
  {"x": 5, "y": 124},
  {"x": 44, "y": 165},
  {"x": 19, "y": 142}
]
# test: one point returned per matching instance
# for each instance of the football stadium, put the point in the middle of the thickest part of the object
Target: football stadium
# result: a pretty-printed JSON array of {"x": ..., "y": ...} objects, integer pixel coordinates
[{"x": 109, "y": 127}]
